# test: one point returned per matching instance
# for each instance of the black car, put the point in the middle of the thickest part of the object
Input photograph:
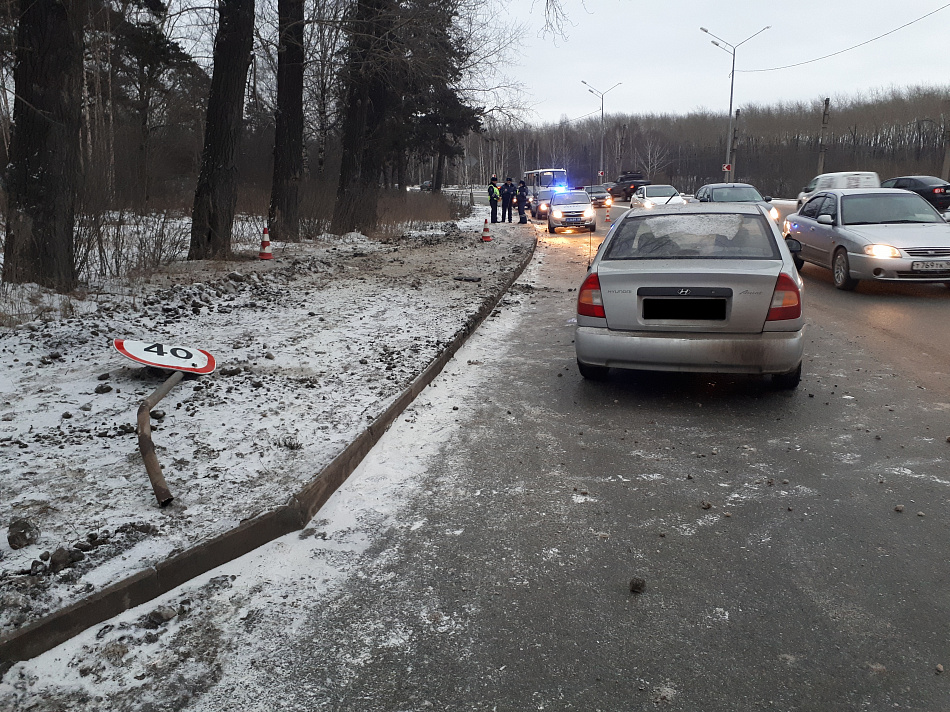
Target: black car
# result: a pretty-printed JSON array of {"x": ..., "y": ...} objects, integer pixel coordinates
[
  {"x": 599, "y": 195},
  {"x": 935, "y": 191},
  {"x": 627, "y": 184}
]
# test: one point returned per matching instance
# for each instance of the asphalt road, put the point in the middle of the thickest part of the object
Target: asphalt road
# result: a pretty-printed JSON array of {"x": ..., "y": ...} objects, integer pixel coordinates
[{"x": 777, "y": 572}]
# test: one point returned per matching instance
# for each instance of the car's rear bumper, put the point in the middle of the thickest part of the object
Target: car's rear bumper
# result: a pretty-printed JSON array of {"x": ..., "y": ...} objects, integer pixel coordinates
[{"x": 769, "y": 352}]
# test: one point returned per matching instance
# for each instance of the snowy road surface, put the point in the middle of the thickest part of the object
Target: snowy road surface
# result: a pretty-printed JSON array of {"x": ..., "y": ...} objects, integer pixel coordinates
[{"x": 481, "y": 557}]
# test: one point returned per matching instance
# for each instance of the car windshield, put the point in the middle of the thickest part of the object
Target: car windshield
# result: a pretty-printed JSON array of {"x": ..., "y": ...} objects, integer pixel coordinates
[
  {"x": 659, "y": 191},
  {"x": 693, "y": 235},
  {"x": 736, "y": 194},
  {"x": 545, "y": 194},
  {"x": 594, "y": 189},
  {"x": 886, "y": 208},
  {"x": 571, "y": 198}
]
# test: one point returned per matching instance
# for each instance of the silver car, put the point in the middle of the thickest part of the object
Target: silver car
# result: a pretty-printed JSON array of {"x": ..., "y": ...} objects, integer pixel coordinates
[
  {"x": 884, "y": 234},
  {"x": 699, "y": 287},
  {"x": 572, "y": 209}
]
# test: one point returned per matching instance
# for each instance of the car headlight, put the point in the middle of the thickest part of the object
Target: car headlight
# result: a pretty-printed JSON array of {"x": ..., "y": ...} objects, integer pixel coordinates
[
  {"x": 609, "y": 201},
  {"x": 589, "y": 213},
  {"x": 881, "y": 251},
  {"x": 774, "y": 213},
  {"x": 647, "y": 203},
  {"x": 557, "y": 214},
  {"x": 543, "y": 206}
]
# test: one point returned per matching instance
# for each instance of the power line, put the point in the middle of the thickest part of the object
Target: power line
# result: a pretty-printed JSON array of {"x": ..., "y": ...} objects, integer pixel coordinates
[{"x": 833, "y": 54}]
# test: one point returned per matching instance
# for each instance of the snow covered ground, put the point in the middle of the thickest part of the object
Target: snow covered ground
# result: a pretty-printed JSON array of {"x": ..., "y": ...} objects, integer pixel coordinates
[{"x": 310, "y": 347}]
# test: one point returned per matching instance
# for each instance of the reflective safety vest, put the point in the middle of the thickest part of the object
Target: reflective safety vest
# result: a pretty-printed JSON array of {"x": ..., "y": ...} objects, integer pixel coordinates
[{"x": 493, "y": 192}]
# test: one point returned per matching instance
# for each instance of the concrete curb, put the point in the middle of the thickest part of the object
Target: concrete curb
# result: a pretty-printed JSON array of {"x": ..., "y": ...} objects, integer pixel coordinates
[{"x": 48, "y": 632}]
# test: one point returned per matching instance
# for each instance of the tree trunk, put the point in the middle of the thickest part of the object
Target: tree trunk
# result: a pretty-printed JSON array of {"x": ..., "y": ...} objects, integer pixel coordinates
[
  {"x": 284, "y": 214},
  {"x": 216, "y": 195},
  {"x": 45, "y": 152},
  {"x": 439, "y": 171},
  {"x": 366, "y": 100}
]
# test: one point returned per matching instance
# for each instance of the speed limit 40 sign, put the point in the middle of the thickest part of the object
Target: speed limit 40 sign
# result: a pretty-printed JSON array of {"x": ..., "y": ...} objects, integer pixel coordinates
[{"x": 170, "y": 356}]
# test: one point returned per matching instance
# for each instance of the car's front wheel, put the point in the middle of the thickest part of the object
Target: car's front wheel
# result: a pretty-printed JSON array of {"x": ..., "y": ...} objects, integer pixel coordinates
[
  {"x": 841, "y": 271},
  {"x": 799, "y": 262},
  {"x": 551, "y": 227},
  {"x": 591, "y": 372},
  {"x": 788, "y": 381}
]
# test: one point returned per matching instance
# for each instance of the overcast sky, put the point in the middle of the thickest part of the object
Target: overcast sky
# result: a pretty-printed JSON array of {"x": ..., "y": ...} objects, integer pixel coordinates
[{"x": 667, "y": 65}]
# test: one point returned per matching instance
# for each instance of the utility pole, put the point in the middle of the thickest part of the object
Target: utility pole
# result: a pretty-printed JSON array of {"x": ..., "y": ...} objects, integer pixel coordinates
[
  {"x": 732, "y": 146},
  {"x": 822, "y": 148},
  {"x": 623, "y": 140},
  {"x": 945, "y": 171}
]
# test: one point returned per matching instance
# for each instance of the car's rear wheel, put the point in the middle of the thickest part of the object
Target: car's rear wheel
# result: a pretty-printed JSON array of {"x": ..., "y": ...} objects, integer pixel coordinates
[
  {"x": 591, "y": 372},
  {"x": 788, "y": 381},
  {"x": 841, "y": 271}
]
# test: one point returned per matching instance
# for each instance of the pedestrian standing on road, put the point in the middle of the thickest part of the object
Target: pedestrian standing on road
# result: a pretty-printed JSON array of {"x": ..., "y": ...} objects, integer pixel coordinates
[
  {"x": 508, "y": 193},
  {"x": 493, "y": 196},
  {"x": 522, "y": 198}
]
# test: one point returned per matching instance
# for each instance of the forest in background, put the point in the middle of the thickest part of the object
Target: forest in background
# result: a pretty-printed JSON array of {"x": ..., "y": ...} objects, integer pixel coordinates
[{"x": 893, "y": 132}]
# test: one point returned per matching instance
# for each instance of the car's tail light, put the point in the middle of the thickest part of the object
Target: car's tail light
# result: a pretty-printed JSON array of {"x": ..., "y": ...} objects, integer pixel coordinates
[
  {"x": 940, "y": 190},
  {"x": 786, "y": 300},
  {"x": 590, "y": 302}
]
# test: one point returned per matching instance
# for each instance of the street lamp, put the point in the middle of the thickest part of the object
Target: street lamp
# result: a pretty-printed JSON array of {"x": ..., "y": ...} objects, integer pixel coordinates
[
  {"x": 730, "y": 48},
  {"x": 603, "y": 129}
]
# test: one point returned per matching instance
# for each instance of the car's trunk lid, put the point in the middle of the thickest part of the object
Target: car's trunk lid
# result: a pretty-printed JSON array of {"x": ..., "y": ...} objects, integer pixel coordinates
[{"x": 724, "y": 296}]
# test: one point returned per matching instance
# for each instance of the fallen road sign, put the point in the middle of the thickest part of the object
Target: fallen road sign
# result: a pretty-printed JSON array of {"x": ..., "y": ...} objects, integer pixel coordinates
[{"x": 167, "y": 356}]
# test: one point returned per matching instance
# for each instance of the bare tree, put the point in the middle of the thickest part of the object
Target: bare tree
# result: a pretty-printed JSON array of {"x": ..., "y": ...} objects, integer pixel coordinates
[
  {"x": 216, "y": 194},
  {"x": 44, "y": 169}
]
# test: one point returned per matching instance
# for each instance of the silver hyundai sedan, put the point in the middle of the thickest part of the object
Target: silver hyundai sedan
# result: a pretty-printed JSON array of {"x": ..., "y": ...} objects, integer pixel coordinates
[{"x": 701, "y": 287}]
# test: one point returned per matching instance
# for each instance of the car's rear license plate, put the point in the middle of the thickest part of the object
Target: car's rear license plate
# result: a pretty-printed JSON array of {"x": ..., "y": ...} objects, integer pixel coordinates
[
  {"x": 685, "y": 309},
  {"x": 937, "y": 265}
]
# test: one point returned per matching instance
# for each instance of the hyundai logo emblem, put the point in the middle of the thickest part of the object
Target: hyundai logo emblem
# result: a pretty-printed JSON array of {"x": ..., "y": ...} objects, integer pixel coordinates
[{"x": 684, "y": 292}]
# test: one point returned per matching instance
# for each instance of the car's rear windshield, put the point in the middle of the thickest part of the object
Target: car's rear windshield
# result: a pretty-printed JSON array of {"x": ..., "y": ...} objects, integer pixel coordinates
[
  {"x": 659, "y": 191},
  {"x": 886, "y": 208},
  {"x": 932, "y": 180},
  {"x": 693, "y": 235},
  {"x": 736, "y": 195},
  {"x": 571, "y": 197}
]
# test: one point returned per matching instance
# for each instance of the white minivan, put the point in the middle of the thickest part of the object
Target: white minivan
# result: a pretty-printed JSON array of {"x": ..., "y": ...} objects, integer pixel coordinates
[{"x": 833, "y": 181}]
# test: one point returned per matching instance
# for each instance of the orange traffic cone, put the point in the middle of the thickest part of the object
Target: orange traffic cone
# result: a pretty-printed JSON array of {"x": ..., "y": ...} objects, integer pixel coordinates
[
  {"x": 265, "y": 253},
  {"x": 608, "y": 214},
  {"x": 486, "y": 235}
]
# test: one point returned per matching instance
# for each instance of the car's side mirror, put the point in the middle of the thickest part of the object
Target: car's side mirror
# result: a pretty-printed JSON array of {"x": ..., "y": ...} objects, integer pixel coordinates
[
  {"x": 825, "y": 220},
  {"x": 767, "y": 198},
  {"x": 793, "y": 245}
]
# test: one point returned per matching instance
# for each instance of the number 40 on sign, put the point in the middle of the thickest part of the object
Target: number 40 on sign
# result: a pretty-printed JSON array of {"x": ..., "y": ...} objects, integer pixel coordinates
[{"x": 168, "y": 356}]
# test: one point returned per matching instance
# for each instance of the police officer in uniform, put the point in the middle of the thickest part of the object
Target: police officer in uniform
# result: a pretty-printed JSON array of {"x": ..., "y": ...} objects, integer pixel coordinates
[
  {"x": 522, "y": 198},
  {"x": 508, "y": 192},
  {"x": 493, "y": 196}
]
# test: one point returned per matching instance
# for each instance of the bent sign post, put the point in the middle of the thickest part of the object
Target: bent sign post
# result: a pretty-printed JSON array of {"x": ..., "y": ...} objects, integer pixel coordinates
[{"x": 179, "y": 359}]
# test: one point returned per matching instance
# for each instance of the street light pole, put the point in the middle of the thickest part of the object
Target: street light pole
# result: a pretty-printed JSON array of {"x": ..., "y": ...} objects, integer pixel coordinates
[
  {"x": 730, "y": 48},
  {"x": 603, "y": 127}
]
